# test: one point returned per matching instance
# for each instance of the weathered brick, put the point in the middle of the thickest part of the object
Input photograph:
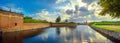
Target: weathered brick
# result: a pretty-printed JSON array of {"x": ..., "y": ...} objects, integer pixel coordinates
[{"x": 10, "y": 20}]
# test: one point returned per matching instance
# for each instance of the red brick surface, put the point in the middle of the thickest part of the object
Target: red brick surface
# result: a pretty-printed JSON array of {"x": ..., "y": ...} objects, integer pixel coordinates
[{"x": 9, "y": 19}]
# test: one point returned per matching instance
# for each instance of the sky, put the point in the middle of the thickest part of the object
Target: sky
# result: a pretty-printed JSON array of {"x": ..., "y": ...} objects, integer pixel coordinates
[{"x": 72, "y": 10}]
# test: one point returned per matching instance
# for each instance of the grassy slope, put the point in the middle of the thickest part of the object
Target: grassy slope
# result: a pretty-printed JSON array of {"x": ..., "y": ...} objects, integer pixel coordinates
[
  {"x": 34, "y": 21},
  {"x": 106, "y": 26}
]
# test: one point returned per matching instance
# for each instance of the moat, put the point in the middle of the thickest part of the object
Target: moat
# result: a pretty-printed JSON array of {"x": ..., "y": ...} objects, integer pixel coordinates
[{"x": 79, "y": 34}]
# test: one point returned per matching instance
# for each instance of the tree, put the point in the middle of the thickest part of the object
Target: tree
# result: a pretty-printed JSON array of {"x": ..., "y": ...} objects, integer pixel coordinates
[
  {"x": 111, "y": 7},
  {"x": 58, "y": 19}
]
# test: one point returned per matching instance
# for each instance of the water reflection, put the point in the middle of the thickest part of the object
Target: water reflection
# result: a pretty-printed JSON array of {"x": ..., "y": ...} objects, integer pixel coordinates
[
  {"x": 80, "y": 34},
  {"x": 58, "y": 30},
  {"x": 12, "y": 37},
  {"x": 0, "y": 36},
  {"x": 18, "y": 37}
]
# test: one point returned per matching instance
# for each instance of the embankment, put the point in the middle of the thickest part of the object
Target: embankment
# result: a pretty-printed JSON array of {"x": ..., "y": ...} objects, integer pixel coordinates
[
  {"x": 63, "y": 25},
  {"x": 28, "y": 26},
  {"x": 113, "y": 36}
]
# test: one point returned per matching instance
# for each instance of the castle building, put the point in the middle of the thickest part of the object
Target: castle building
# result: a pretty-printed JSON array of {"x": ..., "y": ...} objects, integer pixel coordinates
[{"x": 10, "y": 20}]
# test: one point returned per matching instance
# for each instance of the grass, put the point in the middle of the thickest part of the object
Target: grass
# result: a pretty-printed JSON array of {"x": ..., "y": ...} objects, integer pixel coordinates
[
  {"x": 34, "y": 21},
  {"x": 107, "y": 23},
  {"x": 107, "y": 26},
  {"x": 31, "y": 20}
]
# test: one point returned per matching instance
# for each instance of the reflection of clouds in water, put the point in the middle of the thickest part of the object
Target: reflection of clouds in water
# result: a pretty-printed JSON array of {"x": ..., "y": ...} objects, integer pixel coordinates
[
  {"x": 65, "y": 33},
  {"x": 69, "y": 35},
  {"x": 75, "y": 40},
  {"x": 82, "y": 33},
  {"x": 99, "y": 37},
  {"x": 90, "y": 32},
  {"x": 44, "y": 36},
  {"x": 91, "y": 35}
]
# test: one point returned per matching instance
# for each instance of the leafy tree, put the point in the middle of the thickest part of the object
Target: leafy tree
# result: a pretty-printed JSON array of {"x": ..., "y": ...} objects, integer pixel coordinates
[
  {"x": 58, "y": 19},
  {"x": 111, "y": 7}
]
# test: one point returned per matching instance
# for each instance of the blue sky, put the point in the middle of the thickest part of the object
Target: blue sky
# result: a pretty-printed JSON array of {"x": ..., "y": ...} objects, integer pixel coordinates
[
  {"x": 29, "y": 6},
  {"x": 73, "y": 10}
]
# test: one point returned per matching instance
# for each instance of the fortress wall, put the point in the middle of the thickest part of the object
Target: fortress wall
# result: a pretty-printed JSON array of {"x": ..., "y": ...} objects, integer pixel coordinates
[{"x": 10, "y": 20}]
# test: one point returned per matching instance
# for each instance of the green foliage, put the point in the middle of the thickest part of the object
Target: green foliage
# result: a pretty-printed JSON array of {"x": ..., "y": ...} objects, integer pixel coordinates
[
  {"x": 107, "y": 23},
  {"x": 111, "y": 7},
  {"x": 34, "y": 21},
  {"x": 58, "y": 19},
  {"x": 106, "y": 27},
  {"x": 27, "y": 17},
  {"x": 30, "y": 20}
]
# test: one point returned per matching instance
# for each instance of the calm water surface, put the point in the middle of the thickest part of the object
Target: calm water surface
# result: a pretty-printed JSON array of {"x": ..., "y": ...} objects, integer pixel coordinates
[{"x": 80, "y": 34}]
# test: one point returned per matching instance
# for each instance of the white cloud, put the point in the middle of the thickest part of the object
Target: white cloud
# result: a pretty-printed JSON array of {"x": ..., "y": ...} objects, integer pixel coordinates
[
  {"x": 97, "y": 9},
  {"x": 45, "y": 15},
  {"x": 51, "y": 17},
  {"x": 78, "y": 10},
  {"x": 64, "y": 15},
  {"x": 60, "y": 1},
  {"x": 5, "y": 8},
  {"x": 92, "y": 13},
  {"x": 11, "y": 7},
  {"x": 71, "y": 5}
]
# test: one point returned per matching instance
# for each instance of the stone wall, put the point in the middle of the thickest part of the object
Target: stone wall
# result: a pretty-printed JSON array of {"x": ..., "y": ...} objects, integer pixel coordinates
[
  {"x": 35, "y": 25},
  {"x": 10, "y": 20},
  {"x": 63, "y": 25}
]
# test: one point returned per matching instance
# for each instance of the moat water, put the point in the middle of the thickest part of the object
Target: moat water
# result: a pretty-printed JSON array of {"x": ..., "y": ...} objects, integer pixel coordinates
[{"x": 79, "y": 34}]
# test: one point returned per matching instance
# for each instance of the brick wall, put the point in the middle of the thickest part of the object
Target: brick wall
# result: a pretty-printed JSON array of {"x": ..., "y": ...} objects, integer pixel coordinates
[{"x": 10, "y": 20}]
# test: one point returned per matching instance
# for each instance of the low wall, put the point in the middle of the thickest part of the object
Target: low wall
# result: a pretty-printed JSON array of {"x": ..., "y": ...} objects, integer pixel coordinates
[
  {"x": 28, "y": 26},
  {"x": 35, "y": 25},
  {"x": 63, "y": 25}
]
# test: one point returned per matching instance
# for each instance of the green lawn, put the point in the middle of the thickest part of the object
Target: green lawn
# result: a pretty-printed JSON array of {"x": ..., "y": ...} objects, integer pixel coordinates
[
  {"x": 34, "y": 21},
  {"x": 107, "y": 25},
  {"x": 28, "y": 19}
]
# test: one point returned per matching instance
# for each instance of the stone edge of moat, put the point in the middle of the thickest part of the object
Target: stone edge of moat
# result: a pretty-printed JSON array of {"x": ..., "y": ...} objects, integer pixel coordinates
[
  {"x": 113, "y": 36},
  {"x": 22, "y": 30},
  {"x": 62, "y": 25},
  {"x": 41, "y": 27}
]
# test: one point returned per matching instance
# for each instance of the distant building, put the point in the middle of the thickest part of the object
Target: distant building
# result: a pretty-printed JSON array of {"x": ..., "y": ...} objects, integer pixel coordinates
[{"x": 10, "y": 20}]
